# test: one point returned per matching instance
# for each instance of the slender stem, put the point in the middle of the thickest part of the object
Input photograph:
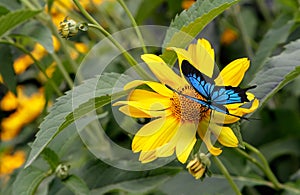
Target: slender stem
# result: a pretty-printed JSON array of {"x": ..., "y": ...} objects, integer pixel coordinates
[
  {"x": 134, "y": 24},
  {"x": 250, "y": 158},
  {"x": 46, "y": 19},
  {"x": 128, "y": 57},
  {"x": 264, "y": 10},
  {"x": 62, "y": 70},
  {"x": 226, "y": 174},
  {"x": 245, "y": 37},
  {"x": 267, "y": 168},
  {"x": 37, "y": 63}
]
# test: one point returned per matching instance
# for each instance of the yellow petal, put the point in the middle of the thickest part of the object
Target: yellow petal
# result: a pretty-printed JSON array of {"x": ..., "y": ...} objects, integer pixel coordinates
[
  {"x": 186, "y": 153},
  {"x": 146, "y": 157},
  {"x": 182, "y": 54},
  {"x": 157, "y": 87},
  {"x": 233, "y": 73},
  {"x": 186, "y": 136},
  {"x": 204, "y": 57},
  {"x": 205, "y": 134},
  {"x": 162, "y": 71},
  {"x": 134, "y": 112},
  {"x": 235, "y": 109},
  {"x": 157, "y": 110},
  {"x": 227, "y": 138},
  {"x": 201, "y": 55},
  {"x": 150, "y": 100},
  {"x": 159, "y": 133}
]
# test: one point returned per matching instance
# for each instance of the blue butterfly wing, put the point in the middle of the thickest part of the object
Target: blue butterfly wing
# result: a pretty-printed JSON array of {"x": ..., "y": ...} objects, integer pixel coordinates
[
  {"x": 215, "y": 95},
  {"x": 200, "y": 82}
]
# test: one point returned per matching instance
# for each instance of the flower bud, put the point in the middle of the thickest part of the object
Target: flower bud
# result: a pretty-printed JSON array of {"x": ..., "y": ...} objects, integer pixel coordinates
[{"x": 199, "y": 166}]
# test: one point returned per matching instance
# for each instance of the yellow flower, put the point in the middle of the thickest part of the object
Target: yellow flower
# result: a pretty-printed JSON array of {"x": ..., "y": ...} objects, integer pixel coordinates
[
  {"x": 228, "y": 36},
  {"x": 38, "y": 52},
  {"x": 10, "y": 162},
  {"x": 9, "y": 102},
  {"x": 178, "y": 118},
  {"x": 28, "y": 109},
  {"x": 186, "y": 4}
]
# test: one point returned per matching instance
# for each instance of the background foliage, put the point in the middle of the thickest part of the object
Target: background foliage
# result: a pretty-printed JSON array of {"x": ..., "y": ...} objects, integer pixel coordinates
[{"x": 38, "y": 67}]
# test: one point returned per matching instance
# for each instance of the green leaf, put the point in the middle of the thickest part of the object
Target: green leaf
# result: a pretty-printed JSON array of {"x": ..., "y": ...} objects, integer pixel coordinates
[
  {"x": 76, "y": 185},
  {"x": 51, "y": 157},
  {"x": 13, "y": 19},
  {"x": 51, "y": 126},
  {"x": 6, "y": 68},
  {"x": 28, "y": 180},
  {"x": 143, "y": 13},
  {"x": 237, "y": 132},
  {"x": 3, "y": 10},
  {"x": 278, "y": 71},
  {"x": 189, "y": 23},
  {"x": 106, "y": 178},
  {"x": 277, "y": 34},
  {"x": 11, "y": 5},
  {"x": 217, "y": 184},
  {"x": 38, "y": 32},
  {"x": 281, "y": 147},
  {"x": 89, "y": 106}
]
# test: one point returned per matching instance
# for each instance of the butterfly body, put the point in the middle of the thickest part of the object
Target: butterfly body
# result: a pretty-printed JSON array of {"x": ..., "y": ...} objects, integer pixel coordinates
[{"x": 215, "y": 96}]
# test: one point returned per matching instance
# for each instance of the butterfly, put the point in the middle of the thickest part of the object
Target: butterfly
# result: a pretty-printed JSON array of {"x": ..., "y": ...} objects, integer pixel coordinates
[{"x": 215, "y": 96}]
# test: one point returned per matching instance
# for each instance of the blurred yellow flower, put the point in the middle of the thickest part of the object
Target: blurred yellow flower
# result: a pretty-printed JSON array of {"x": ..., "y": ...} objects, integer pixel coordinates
[
  {"x": 9, "y": 102},
  {"x": 22, "y": 63},
  {"x": 28, "y": 109},
  {"x": 186, "y": 4},
  {"x": 81, "y": 47},
  {"x": 1, "y": 79},
  {"x": 38, "y": 52},
  {"x": 228, "y": 36},
  {"x": 10, "y": 162},
  {"x": 61, "y": 8}
]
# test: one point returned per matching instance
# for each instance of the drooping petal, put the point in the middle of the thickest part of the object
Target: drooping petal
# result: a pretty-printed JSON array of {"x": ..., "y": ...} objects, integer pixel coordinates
[
  {"x": 144, "y": 140},
  {"x": 186, "y": 136},
  {"x": 227, "y": 138},
  {"x": 186, "y": 153},
  {"x": 157, "y": 87},
  {"x": 205, "y": 134},
  {"x": 233, "y": 73},
  {"x": 162, "y": 71}
]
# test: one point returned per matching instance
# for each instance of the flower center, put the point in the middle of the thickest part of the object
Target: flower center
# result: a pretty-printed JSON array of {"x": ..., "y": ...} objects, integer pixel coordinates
[{"x": 187, "y": 109}]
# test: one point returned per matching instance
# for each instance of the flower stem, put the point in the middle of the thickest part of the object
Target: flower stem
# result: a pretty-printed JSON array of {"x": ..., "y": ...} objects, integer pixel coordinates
[
  {"x": 127, "y": 56},
  {"x": 134, "y": 24},
  {"x": 62, "y": 70},
  {"x": 37, "y": 63},
  {"x": 43, "y": 17},
  {"x": 226, "y": 174},
  {"x": 266, "y": 168},
  {"x": 264, "y": 10}
]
